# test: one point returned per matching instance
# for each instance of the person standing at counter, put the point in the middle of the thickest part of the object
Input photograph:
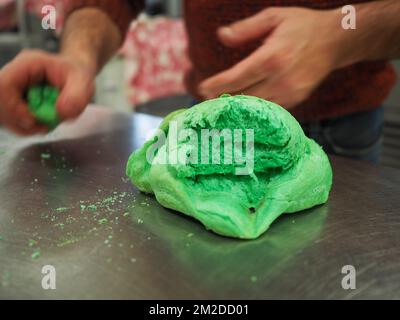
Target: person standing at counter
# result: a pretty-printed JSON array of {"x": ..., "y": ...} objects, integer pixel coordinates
[{"x": 331, "y": 79}]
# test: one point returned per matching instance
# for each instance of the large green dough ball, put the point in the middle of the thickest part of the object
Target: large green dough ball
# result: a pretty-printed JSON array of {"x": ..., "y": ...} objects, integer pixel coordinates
[
  {"x": 290, "y": 172},
  {"x": 42, "y": 104}
]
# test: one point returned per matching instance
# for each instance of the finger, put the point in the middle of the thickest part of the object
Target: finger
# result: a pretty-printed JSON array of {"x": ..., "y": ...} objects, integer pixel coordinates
[
  {"x": 76, "y": 87},
  {"x": 256, "y": 67},
  {"x": 26, "y": 69},
  {"x": 23, "y": 117},
  {"x": 273, "y": 92},
  {"x": 75, "y": 95},
  {"x": 21, "y": 132},
  {"x": 16, "y": 128},
  {"x": 289, "y": 102},
  {"x": 262, "y": 90},
  {"x": 37, "y": 129},
  {"x": 15, "y": 110},
  {"x": 17, "y": 117},
  {"x": 33, "y": 67},
  {"x": 251, "y": 28}
]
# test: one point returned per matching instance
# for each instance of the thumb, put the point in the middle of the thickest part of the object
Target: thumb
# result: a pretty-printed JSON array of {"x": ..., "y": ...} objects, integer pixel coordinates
[
  {"x": 252, "y": 28},
  {"x": 75, "y": 95}
]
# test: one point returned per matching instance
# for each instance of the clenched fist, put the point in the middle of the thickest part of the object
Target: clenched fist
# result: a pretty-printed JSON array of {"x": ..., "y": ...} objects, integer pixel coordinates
[{"x": 74, "y": 79}]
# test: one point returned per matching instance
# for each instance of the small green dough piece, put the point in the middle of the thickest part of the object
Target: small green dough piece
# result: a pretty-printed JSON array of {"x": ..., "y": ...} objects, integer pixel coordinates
[
  {"x": 290, "y": 173},
  {"x": 42, "y": 104}
]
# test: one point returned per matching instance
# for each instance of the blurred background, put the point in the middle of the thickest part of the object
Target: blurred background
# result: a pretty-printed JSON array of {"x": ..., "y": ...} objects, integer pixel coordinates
[{"x": 132, "y": 80}]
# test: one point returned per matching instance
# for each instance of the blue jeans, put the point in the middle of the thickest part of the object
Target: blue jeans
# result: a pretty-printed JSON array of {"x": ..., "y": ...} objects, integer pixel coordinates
[{"x": 357, "y": 135}]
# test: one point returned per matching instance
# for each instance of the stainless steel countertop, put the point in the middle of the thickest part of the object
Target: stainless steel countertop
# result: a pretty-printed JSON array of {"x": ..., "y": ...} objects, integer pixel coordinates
[{"x": 65, "y": 202}]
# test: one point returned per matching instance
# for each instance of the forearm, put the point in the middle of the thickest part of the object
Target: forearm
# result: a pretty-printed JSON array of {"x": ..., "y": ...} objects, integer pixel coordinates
[
  {"x": 91, "y": 37},
  {"x": 377, "y": 33}
]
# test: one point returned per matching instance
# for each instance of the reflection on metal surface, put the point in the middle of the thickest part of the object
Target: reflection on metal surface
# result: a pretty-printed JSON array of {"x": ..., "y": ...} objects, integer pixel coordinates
[
  {"x": 65, "y": 202},
  {"x": 219, "y": 262}
]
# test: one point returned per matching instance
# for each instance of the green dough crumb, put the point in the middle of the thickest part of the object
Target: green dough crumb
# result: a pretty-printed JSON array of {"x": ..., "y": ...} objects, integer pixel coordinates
[
  {"x": 92, "y": 207},
  {"x": 59, "y": 225},
  {"x": 103, "y": 221},
  {"x": 286, "y": 172},
  {"x": 35, "y": 255},
  {"x": 45, "y": 156},
  {"x": 5, "y": 279},
  {"x": 42, "y": 104},
  {"x": 67, "y": 241},
  {"x": 32, "y": 243},
  {"x": 253, "y": 279}
]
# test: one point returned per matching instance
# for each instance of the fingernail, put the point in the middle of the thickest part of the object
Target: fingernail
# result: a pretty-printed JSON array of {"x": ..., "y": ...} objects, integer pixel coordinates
[
  {"x": 226, "y": 32},
  {"x": 204, "y": 93}
]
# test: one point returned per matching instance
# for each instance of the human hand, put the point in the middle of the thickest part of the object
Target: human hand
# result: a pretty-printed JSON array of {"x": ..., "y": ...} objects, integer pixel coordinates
[
  {"x": 300, "y": 49},
  {"x": 73, "y": 78}
]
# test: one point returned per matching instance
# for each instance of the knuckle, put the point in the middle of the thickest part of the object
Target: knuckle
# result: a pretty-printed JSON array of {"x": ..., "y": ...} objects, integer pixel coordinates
[
  {"x": 270, "y": 12},
  {"x": 256, "y": 72},
  {"x": 34, "y": 54},
  {"x": 288, "y": 84},
  {"x": 24, "y": 52},
  {"x": 274, "y": 62},
  {"x": 28, "y": 52},
  {"x": 232, "y": 83}
]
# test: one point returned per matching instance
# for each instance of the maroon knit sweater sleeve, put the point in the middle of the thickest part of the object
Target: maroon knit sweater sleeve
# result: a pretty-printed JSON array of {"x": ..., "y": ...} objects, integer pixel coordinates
[{"x": 120, "y": 11}]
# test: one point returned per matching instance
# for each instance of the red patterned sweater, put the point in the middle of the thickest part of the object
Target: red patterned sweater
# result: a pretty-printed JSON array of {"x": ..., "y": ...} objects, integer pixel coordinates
[{"x": 359, "y": 87}]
